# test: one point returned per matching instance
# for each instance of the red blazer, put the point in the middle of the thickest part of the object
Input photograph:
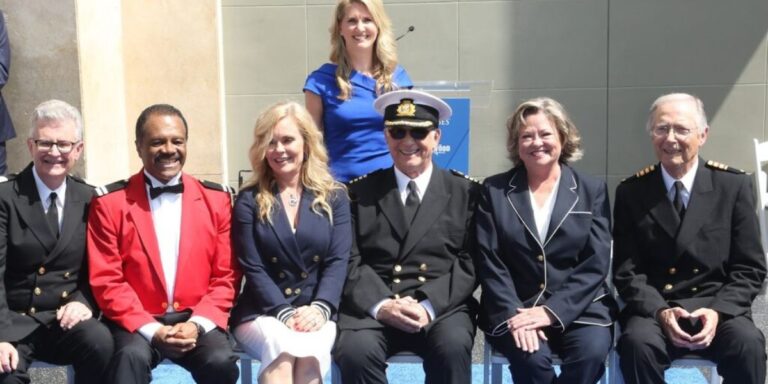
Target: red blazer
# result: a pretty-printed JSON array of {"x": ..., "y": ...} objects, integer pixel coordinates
[{"x": 125, "y": 268}]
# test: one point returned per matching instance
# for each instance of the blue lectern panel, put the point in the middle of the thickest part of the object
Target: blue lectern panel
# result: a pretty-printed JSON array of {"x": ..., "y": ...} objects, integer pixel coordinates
[{"x": 453, "y": 150}]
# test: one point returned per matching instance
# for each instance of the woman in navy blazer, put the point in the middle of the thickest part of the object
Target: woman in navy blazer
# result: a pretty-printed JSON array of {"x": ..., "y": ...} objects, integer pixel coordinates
[
  {"x": 292, "y": 235},
  {"x": 543, "y": 233}
]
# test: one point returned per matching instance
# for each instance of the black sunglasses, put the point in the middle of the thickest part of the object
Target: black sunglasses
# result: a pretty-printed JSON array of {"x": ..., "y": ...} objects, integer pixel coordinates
[{"x": 416, "y": 133}]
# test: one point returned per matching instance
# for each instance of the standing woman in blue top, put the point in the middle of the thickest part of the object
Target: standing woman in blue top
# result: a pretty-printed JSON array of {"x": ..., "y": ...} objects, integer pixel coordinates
[
  {"x": 544, "y": 249},
  {"x": 292, "y": 235},
  {"x": 340, "y": 94}
]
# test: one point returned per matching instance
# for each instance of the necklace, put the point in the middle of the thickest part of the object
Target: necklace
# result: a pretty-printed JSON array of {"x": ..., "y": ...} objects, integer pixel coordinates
[{"x": 292, "y": 200}]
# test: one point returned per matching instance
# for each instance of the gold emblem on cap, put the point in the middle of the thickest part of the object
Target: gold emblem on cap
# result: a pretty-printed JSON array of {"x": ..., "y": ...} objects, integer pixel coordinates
[{"x": 406, "y": 108}]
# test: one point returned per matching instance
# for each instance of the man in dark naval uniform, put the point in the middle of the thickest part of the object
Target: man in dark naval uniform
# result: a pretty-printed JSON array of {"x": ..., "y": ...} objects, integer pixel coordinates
[
  {"x": 688, "y": 257},
  {"x": 411, "y": 273},
  {"x": 47, "y": 311}
]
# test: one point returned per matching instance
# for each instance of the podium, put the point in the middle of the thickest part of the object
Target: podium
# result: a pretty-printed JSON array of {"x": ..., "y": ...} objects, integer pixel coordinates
[{"x": 470, "y": 102}]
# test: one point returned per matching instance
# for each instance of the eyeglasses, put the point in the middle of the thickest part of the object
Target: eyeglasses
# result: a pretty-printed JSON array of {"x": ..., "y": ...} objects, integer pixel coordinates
[
  {"x": 416, "y": 133},
  {"x": 63, "y": 146},
  {"x": 662, "y": 131}
]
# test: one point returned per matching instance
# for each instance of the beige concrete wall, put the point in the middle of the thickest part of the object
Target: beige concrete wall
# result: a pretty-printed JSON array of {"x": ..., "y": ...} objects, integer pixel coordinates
[
  {"x": 112, "y": 59},
  {"x": 102, "y": 75},
  {"x": 605, "y": 60},
  {"x": 172, "y": 56}
]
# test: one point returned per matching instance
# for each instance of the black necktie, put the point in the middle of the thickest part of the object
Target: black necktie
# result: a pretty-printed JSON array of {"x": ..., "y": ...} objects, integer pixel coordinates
[
  {"x": 677, "y": 202},
  {"x": 53, "y": 215},
  {"x": 411, "y": 202},
  {"x": 157, "y": 191}
]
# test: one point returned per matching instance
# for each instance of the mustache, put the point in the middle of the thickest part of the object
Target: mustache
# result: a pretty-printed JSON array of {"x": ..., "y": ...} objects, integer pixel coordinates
[{"x": 161, "y": 157}]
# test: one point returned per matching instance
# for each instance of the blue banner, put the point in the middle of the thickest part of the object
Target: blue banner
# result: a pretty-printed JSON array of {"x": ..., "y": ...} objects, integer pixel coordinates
[{"x": 453, "y": 150}]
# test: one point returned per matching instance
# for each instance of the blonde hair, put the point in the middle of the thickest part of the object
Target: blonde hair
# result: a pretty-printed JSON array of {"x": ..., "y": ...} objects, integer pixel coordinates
[
  {"x": 566, "y": 130},
  {"x": 314, "y": 174},
  {"x": 384, "y": 51}
]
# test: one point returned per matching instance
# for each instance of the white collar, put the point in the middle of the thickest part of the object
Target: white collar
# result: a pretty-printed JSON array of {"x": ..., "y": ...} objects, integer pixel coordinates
[
  {"x": 44, "y": 192},
  {"x": 687, "y": 179},
  {"x": 422, "y": 181}
]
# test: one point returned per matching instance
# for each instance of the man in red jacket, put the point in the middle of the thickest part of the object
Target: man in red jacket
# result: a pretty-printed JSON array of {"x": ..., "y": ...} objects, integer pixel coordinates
[{"x": 160, "y": 261}]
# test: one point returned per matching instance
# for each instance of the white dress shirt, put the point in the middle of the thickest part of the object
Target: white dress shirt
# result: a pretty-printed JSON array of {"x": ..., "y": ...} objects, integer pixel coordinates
[
  {"x": 543, "y": 215},
  {"x": 422, "y": 181},
  {"x": 166, "y": 219},
  {"x": 687, "y": 179},
  {"x": 45, "y": 195}
]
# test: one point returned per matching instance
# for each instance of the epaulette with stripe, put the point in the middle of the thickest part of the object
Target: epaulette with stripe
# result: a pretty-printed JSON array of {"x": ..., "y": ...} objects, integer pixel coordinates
[
  {"x": 356, "y": 179},
  {"x": 5, "y": 178},
  {"x": 461, "y": 174},
  {"x": 641, "y": 172},
  {"x": 217, "y": 186},
  {"x": 109, "y": 188},
  {"x": 722, "y": 167}
]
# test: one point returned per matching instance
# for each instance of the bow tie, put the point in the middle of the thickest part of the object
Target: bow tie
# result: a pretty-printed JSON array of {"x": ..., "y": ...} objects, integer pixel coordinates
[{"x": 157, "y": 191}]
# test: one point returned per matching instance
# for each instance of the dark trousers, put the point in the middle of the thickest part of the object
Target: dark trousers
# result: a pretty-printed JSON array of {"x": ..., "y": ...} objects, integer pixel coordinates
[
  {"x": 445, "y": 347},
  {"x": 87, "y": 346},
  {"x": 212, "y": 361},
  {"x": 738, "y": 349},
  {"x": 582, "y": 348}
]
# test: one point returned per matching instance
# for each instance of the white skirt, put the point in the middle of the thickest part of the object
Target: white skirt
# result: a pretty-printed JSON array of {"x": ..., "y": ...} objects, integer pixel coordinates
[{"x": 265, "y": 338}]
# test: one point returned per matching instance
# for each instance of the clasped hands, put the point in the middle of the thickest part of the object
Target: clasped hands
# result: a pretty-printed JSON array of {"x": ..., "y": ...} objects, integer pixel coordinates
[
  {"x": 306, "y": 319},
  {"x": 669, "y": 320},
  {"x": 176, "y": 340},
  {"x": 527, "y": 327},
  {"x": 405, "y": 314}
]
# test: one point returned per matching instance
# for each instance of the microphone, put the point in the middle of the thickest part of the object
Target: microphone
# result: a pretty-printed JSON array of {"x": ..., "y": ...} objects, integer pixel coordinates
[{"x": 410, "y": 29}]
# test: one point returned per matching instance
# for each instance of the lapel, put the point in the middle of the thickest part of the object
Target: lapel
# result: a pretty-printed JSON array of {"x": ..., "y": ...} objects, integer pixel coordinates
[
  {"x": 191, "y": 203},
  {"x": 140, "y": 215},
  {"x": 432, "y": 206},
  {"x": 701, "y": 202},
  {"x": 74, "y": 206},
  {"x": 519, "y": 199},
  {"x": 282, "y": 227},
  {"x": 566, "y": 198},
  {"x": 392, "y": 205},
  {"x": 658, "y": 203},
  {"x": 31, "y": 210},
  {"x": 311, "y": 229}
]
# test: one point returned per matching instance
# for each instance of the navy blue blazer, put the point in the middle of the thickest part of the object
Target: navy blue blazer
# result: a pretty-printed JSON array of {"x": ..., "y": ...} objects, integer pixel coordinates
[
  {"x": 284, "y": 269},
  {"x": 566, "y": 272},
  {"x": 6, "y": 126}
]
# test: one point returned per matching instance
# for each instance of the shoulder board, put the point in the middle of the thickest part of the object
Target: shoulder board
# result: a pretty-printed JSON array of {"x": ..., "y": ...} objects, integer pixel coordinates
[
  {"x": 109, "y": 188},
  {"x": 461, "y": 174},
  {"x": 356, "y": 179},
  {"x": 217, "y": 186},
  {"x": 641, "y": 173},
  {"x": 5, "y": 178},
  {"x": 722, "y": 167},
  {"x": 80, "y": 180}
]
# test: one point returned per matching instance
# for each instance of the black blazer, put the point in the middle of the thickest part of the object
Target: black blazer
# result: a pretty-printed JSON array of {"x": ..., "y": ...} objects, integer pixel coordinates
[
  {"x": 715, "y": 261},
  {"x": 284, "y": 269},
  {"x": 566, "y": 272},
  {"x": 40, "y": 273},
  {"x": 431, "y": 260}
]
